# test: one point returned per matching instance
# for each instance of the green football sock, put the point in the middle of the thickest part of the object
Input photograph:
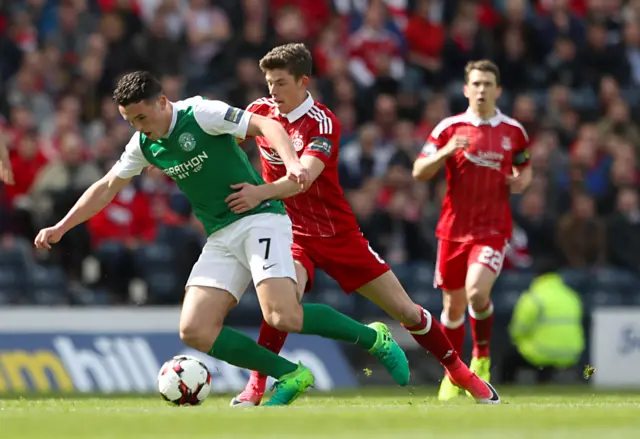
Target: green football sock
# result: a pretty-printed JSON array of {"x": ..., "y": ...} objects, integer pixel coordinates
[
  {"x": 326, "y": 322},
  {"x": 239, "y": 350}
]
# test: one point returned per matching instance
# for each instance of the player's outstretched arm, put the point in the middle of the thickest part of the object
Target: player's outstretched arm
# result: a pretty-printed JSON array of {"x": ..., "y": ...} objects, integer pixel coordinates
[
  {"x": 281, "y": 142},
  {"x": 425, "y": 167},
  {"x": 276, "y": 135},
  {"x": 285, "y": 188},
  {"x": 94, "y": 199}
]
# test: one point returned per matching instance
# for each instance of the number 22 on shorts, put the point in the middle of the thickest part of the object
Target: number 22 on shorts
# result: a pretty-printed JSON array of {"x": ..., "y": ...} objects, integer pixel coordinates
[{"x": 491, "y": 258}]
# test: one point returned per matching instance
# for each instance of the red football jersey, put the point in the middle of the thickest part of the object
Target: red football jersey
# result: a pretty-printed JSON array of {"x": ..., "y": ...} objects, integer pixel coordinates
[
  {"x": 322, "y": 210},
  {"x": 476, "y": 204}
]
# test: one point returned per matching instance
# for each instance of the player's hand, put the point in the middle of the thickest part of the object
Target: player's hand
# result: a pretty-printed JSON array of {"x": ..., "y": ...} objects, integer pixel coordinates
[
  {"x": 457, "y": 142},
  {"x": 518, "y": 183},
  {"x": 48, "y": 236},
  {"x": 245, "y": 199},
  {"x": 299, "y": 174}
]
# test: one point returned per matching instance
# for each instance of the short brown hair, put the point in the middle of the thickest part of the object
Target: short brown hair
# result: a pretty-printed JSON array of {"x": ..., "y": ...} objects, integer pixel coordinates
[
  {"x": 295, "y": 58},
  {"x": 483, "y": 65}
]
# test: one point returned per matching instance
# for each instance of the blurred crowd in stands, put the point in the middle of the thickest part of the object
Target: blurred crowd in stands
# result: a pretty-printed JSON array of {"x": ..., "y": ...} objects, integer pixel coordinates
[{"x": 389, "y": 69}]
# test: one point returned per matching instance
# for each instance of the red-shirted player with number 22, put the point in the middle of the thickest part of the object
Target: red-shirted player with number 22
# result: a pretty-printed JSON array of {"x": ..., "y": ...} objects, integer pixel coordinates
[
  {"x": 326, "y": 234},
  {"x": 486, "y": 156}
]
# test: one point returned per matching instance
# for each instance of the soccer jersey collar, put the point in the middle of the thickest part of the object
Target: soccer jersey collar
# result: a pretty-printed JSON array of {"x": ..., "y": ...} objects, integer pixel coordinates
[
  {"x": 174, "y": 119},
  {"x": 301, "y": 110},
  {"x": 475, "y": 120}
]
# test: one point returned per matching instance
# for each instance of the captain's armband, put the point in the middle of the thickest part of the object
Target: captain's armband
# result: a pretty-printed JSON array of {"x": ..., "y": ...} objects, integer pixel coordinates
[{"x": 521, "y": 158}]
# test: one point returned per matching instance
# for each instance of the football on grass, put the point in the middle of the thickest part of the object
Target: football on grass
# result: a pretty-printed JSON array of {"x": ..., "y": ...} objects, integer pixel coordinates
[{"x": 184, "y": 380}]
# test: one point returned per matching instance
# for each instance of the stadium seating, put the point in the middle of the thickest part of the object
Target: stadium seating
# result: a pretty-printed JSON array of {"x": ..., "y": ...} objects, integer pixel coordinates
[{"x": 48, "y": 285}]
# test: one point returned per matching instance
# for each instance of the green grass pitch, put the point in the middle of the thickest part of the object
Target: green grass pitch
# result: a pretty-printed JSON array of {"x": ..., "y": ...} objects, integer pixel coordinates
[{"x": 554, "y": 413}]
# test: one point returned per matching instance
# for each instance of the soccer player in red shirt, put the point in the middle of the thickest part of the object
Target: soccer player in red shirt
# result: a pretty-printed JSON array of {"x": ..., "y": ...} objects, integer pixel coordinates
[
  {"x": 326, "y": 234},
  {"x": 486, "y": 156}
]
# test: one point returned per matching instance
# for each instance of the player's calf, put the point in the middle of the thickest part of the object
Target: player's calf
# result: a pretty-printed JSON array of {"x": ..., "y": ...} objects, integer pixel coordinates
[
  {"x": 454, "y": 307},
  {"x": 480, "y": 280},
  {"x": 387, "y": 292}
]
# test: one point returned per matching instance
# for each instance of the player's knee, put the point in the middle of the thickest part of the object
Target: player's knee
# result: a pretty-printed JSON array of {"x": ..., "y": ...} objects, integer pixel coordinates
[
  {"x": 454, "y": 305},
  {"x": 198, "y": 337},
  {"x": 287, "y": 320},
  {"x": 454, "y": 313},
  {"x": 478, "y": 297}
]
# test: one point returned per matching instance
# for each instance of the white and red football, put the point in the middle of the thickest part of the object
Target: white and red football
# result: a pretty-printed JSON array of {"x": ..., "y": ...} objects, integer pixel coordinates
[{"x": 184, "y": 380}]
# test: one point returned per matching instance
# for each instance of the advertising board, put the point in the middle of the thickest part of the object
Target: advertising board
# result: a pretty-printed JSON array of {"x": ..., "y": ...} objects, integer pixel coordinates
[
  {"x": 104, "y": 352},
  {"x": 615, "y": 347}
]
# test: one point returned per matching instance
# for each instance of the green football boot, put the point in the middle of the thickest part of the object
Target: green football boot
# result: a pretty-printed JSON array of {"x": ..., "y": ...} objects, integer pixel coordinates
[
  {"x": 390, "y": 354},
  {"x": 290, "y": 386}
]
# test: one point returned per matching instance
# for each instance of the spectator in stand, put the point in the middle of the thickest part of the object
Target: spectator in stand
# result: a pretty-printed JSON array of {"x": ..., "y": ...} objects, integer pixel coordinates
[
  {"x": 207, "y": 30},
  {"x": 603, "y": 58},
  {"x": 517, "y": 20},
  {"x": 581, "y": 235},
  {"x": 624, "y": 231},
  {"x": 465, "y": 42},
  {"x": 399, "y": 234},
  {"x": 254, "y": 39},
  {"x": 609, "y": 13},
  {"x": 363, "y": 159},
  {"x": 514, "y": 62},
  {"x": 631, "y": 43},
  {"x": 329, "y": 51},
  {"x": 590, "y": 160},
  {"x": 533, "y": 219},
  {"x": 618, "y": 121},
  {"x": 249, "y": 83},
  {"x": 436, "y": 109},
  {"x": 525, "y": 111},
  {"x": 424, "y": 54},
  {"x": 313, "y": 13},
  {"x": 28, "y": 160},
  {"x": 161, "y": 50},
  {"x": 290, "y": 26},
  {"x": 563, "y": 64},
  {"x": 116, "y": 232},
  {"x": 558, "y": 19},
  {"x": 374, "y": 51}
]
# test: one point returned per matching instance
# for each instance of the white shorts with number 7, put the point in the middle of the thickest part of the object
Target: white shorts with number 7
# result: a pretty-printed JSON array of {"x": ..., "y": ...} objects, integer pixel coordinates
[{"x": 256, "y": 247}]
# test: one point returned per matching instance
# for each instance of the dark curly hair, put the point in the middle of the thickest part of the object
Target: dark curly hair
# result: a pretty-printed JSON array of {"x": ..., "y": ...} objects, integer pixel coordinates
[
  {"x": 294, "y": 58},
  {"x": 136, "y": 87}
]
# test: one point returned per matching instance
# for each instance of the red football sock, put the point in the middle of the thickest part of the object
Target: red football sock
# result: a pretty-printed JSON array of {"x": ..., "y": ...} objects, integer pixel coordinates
[
  {"x": 271, "y": 339},
  {"x": 481, "y": 324},
  {"x": 428, "y": 333},
  {"x": 454, "y": 331}
]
